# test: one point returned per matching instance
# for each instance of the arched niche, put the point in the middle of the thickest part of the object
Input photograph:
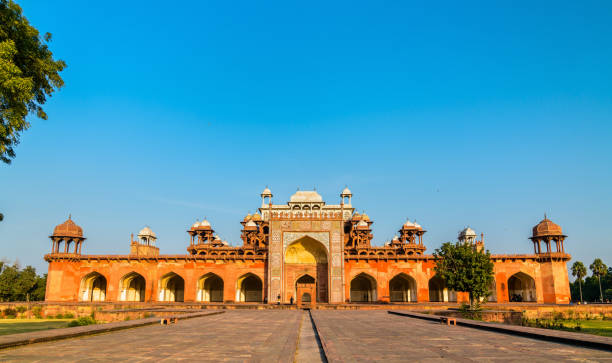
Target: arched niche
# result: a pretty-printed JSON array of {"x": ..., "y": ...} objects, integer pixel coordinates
[
  {"x": 363, "y": 288},
  {"x": 249, "y": 288},
  {"x": 307, "y": 256},
  {"x": 521, "y": 288},
  {"x": 132, "y": 287},
  {"x": 438, "y": 292},
  {"x": 171, "y": 288},
  {"x": 93, "y": 287},
  {"x": 403, "y": 288},
  {"x": 210, "y": 288}
]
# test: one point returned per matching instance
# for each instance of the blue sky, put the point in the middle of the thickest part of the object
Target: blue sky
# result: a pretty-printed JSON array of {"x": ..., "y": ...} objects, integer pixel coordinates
[{"x": 453, "y": 114}]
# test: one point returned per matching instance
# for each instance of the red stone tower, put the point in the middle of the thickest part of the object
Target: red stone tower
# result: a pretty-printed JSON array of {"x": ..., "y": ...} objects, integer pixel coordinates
[
  {"x": 552, "y": 263},
  {"x": 70, "y": 235}
]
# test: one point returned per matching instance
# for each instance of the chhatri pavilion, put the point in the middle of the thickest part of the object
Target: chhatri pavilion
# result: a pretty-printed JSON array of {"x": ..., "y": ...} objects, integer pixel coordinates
[{"x": 304, "y": 251}]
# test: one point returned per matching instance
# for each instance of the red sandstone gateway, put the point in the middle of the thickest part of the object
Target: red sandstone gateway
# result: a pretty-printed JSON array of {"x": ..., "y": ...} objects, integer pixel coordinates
[{"x": 304, "y": 251}]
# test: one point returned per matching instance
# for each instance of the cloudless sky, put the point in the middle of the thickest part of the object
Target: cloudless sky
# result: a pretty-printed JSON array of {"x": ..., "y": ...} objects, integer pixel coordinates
[{"x": 487, "y": 114}]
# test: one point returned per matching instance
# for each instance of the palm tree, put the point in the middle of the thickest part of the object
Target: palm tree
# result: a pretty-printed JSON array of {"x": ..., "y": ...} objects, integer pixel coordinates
[
  {"x": 579, "y": 272},
  {"x": 599, "y": 269}
]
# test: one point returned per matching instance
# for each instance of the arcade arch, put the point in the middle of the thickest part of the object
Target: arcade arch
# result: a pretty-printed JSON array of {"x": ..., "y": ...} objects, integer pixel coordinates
[
  {"x": 93, "y": 287},
  {"x": 171, "y": 288},
  {"x": 133, "y": 287},
  {"x": 363, "y": 288},
  {"x": 438, "y": 292},
  {"x": 249, "y": 288},
  {"x": 402, "y": 288},
  {"x": 210, "y": 288},
  {"x": 521, "y": 288}
]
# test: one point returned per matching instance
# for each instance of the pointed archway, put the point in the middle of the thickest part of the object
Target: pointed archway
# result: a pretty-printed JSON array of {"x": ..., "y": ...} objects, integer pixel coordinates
[
  {"x": 363, "y": 288},
  {"x": 438, "y": 292},
  {"x": 172, "y": 288},
  {"x": 521, "y": 288},
  {"x": 133, "y": 286},
  {"x": 403, "y": 288},
  {"x": 93, "y": 287},
  {"x": 307, "y": 256},
  {"x": 249, "y": 288},
  {"x": 210, "y": 288}
]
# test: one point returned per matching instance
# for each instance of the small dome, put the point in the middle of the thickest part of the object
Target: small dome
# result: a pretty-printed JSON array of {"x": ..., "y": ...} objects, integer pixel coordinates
[
  {"x": 395, "y": 238},
  {"x": 417, "y": 226},
  {"x": 362, "y": 224},
  {"x": 225, "y": 243},
  {"x": 467, "y": 232},
  {"x": 250, "y": 225},
  {"x": 547, "y": 228},
  {"x": 256, "y": 217},
  {"x": 216, "y": 237},
  {"x": 266, "y": 192},
  {"x": 306, "y": 196},
  {"x": 68, "y": 229},
  {"x": 195, "y": 225},
  {"x": 356, "y": 216},
  {"x": 365, "y": 217},
  {"x": 409, "y": 225},
  {"x": 204, "y": 225},
  {"x": 247, "y": 218},
  {"x": 146, "y": 232},
  {"x": 346, "y": 192}
]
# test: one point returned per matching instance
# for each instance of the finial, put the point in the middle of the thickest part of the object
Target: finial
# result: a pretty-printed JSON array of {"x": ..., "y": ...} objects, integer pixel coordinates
[
  {"x": 545, "y": 216},
  {"x": 70, "y": 216}
]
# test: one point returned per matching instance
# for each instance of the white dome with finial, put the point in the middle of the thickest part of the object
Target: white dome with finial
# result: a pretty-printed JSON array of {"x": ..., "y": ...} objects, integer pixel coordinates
[
  {"x": 467, "y": 234},
  {"x": 409, "y": 224},
  {"x": 266, "y": 192},
  {"x": 146, "y": 232},
  {"x": 346, "y": 191}
]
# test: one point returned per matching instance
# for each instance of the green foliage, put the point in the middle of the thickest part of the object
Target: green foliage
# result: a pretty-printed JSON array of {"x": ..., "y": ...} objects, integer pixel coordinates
[
  {"x": 37, "y": 311},
  {"x": 21, "y": 285},
  {"x": 28, "y": 75},
  {"x": 599, "y": 269},
  {"x": 82, "y": 321},
  {"x": 8, "y": 280},
  {"x": 9, "y": 313},
  {"x": 465, "y": 269},
  {"x": 59, "y": 316},
  {"x": 590, "y": 287},
  {"x": 21, "y": 309},
  {"x": 579, "y": 272}
]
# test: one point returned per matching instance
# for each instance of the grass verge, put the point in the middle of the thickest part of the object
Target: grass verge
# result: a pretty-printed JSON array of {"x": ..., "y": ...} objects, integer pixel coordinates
[{"x": 15, "y": 326}]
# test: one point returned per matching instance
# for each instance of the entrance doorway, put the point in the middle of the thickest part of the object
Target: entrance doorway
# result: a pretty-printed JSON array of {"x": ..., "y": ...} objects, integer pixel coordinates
[{"x": 306, "y": 288}]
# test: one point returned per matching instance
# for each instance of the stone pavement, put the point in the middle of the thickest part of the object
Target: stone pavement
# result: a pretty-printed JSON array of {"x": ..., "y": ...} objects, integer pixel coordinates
[
  {"x": 236, "y": 336},
  {"x": 309, "y": 348},
  {"x": 354, "y": 336},
  {"x": 272, "y": 336}
]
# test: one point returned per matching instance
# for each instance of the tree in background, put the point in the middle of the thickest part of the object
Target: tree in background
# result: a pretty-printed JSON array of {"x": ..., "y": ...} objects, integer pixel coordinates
[
  {"x": 21, "y": 284},
  {"x": 579, "y": 272},
  {"x": 464, "y": 268},
  {"x": 599, "y": 269},
  {"x": 8, "y": 279},
  {"x": 28, "y": 75}
]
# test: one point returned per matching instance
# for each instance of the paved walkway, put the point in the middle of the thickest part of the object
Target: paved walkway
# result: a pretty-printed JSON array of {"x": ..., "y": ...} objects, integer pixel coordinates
[
  {"x": 271, "y": 336},
  {"x": 236, "y": 336},
  {"x": 376, "y": 335},
  {"x": 309, "y": 349}
]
